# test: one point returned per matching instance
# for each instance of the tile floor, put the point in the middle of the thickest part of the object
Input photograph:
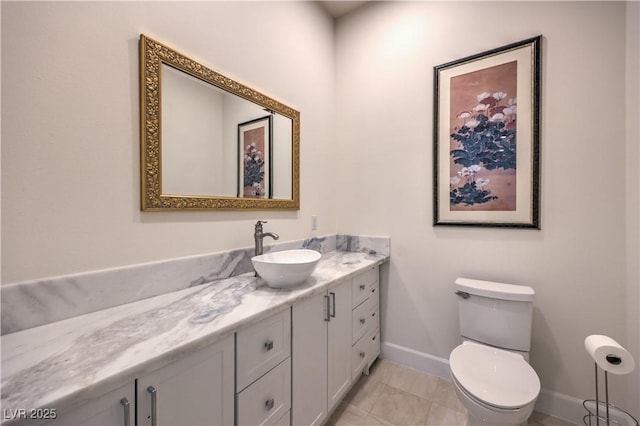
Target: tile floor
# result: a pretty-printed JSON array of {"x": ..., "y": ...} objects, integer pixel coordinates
[{"x": 397, "y": 395}]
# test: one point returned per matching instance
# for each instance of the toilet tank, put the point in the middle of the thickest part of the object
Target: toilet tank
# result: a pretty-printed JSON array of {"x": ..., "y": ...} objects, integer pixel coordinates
[{"x": 495, "y": 314}]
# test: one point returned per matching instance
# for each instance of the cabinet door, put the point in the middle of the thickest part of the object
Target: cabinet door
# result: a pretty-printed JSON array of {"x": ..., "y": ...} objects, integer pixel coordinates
[
  {"x": 194, "y": 390},
  {"x": 115, "y": 408},
  {"x": 339, "y": 342},
  {"x": 309, "y": 361}
]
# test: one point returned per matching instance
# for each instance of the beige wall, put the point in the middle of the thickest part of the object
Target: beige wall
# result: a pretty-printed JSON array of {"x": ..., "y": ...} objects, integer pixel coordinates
[
  {"x": 384, "y": 61},
  {"x": 70, "y": 160}
]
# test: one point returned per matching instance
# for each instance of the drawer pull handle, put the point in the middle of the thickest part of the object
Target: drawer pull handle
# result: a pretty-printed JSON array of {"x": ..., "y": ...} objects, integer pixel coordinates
[
  {"x": 362, "y": 320},
  {"x": 374, "y": 338},
  {"x": 362, "y": 286},
  {"x": 333, "y": 304},
  {"x": 127, "y": 411},
  {"x": 268, "y": 345},
  {"x": 373, "y": 314},
  {"x": 269, "y": 403},
  {"x": 154, "y": 405},
  {"x": 362, "y": 354},
  {"x": 327, "y": 318}
]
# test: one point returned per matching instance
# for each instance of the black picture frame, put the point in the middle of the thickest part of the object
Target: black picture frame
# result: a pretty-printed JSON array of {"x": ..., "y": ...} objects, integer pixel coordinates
[
  {"x": 255, "y": 162},
  {"x": 497, "y": 139}
]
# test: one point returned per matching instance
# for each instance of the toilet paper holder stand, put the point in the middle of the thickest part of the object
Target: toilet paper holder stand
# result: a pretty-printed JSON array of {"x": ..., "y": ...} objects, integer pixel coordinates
[{"x": 608, "y": 413}]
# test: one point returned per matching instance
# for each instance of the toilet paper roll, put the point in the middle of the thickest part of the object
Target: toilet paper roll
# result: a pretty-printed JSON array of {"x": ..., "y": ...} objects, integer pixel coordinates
[{"x": 609, "y": 354}]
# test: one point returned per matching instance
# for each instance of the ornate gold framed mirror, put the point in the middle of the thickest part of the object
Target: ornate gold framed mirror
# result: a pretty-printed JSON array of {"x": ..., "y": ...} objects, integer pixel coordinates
[{"x": 208, "y": 142}]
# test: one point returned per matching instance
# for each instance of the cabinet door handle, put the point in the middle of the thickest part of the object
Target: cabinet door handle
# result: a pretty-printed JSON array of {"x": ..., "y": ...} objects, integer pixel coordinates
[
  {"x": 154, "y": 405},
  {"x": 362, "y": 354},
  {"x": 268, "y": 345},
  {"x": 362, "y": 286},
  {"x": 326, "y": 318},
  {"x": 362, "y": 320},
  {"x": 269, "y": 403},
  {"x": 333, "y": 303},
  {"x": 127, "y": 411}
]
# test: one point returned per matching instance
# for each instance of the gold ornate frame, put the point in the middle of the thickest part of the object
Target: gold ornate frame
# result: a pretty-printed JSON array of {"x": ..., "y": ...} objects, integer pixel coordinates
[{"x": 152, "y": 55}]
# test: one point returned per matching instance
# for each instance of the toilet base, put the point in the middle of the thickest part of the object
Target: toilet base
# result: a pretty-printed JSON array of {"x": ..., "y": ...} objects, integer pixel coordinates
[
  {"x": 473, "y": 421},
  {"x": 480, "y": 415}
]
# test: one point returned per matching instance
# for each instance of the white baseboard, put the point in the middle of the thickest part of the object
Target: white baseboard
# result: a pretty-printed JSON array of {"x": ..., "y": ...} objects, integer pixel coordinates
[
  {"x": 433, "y": 365},
  {"x": 560, "y": 405},
  {"x": 552, "y": 403}
]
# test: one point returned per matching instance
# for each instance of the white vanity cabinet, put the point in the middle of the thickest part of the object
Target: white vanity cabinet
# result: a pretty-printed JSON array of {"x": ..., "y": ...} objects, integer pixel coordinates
[
  {"x": 263, "y": 372},
  {"x": 196, "y": 389},
  {"x": 327, "y": 332},
  {"x": 287, "y": 359}
]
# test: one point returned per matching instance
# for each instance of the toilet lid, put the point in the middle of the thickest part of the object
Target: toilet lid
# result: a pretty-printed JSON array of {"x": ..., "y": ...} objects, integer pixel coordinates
[{"x": 494, "y": 376}]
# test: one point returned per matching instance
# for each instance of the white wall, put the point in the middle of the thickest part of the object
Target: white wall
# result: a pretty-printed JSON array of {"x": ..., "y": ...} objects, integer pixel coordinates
[
  {"x": 192, "y": 136},
  {"x": 70, "y": 114},
  {"x": 384, "y": 67}
]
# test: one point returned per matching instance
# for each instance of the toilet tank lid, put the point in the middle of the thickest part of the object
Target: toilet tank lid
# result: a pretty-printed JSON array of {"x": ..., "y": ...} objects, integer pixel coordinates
[{"x": 495, "y": 290}]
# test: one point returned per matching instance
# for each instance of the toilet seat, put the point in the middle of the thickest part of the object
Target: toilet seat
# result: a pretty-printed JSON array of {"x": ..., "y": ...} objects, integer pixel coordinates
[{"x": 494, "y": 376}]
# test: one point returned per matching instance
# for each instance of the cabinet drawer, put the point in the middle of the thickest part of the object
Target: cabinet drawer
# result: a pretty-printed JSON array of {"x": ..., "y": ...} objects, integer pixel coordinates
[
  {"x": 374, "y": 317},
  {"x": 373, "y": 346},
  {"x": 359, "y": 357},
  {"x": 359, "y": 292},
  {"x": 374, "y": 292},
  {"x": 267, "y": 400},
  {"x": 360, "y": 320},
  {"x": 261, "y": 347},
  {"x": 360, "y": 286}
]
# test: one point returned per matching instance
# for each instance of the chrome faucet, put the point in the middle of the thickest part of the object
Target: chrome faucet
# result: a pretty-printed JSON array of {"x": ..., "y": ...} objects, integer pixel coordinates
[{"x": 258, "y": 236}]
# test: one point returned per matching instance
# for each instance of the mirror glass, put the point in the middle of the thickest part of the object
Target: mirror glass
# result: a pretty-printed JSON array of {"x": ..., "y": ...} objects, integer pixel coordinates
[{"x": 208, "y": 142}]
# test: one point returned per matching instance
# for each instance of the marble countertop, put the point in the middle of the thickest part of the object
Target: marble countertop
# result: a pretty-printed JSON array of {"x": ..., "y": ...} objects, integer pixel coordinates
[{"x": 58, "y": 364}]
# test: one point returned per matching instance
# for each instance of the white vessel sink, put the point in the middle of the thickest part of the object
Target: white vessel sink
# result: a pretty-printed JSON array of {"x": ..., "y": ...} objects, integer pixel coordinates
[{"x": 285, "y": 269}]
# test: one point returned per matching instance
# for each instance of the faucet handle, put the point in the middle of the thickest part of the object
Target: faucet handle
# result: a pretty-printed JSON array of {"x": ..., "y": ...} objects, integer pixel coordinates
[{"x": 259, "y": 225}]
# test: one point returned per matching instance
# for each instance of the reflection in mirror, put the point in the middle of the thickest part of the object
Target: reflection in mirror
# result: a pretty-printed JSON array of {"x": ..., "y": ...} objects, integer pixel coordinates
[{"x": 209, "y": 142}]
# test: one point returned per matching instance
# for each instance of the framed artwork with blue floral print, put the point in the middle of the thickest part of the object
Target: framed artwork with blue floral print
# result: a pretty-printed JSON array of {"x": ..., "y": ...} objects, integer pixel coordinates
[
  {"x": 254, "y": 158},
  {"x": 487, "y": 139}
]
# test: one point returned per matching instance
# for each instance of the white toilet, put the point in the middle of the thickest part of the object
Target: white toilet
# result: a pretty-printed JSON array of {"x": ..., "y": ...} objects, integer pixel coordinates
[{"x": 490, "y": 369}]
